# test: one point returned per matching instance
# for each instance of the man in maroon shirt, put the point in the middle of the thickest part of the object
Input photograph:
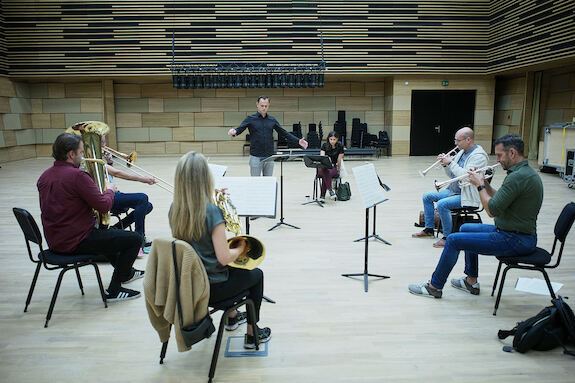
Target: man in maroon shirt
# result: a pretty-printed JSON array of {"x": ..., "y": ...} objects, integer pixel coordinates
[{"x": 68, "y": 196}]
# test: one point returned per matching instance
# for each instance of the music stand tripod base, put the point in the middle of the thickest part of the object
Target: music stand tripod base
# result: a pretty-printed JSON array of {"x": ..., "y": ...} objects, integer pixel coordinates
[
  {"x": 366, "y": 273},
  {"x": 365, "y": 278}
]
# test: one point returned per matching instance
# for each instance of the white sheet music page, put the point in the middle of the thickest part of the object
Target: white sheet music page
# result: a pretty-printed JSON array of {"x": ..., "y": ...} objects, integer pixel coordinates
[
  {"x": 252, "y": 196},
  {"x": 369, "y": 188},
  {"x": 218, "y": 170}
]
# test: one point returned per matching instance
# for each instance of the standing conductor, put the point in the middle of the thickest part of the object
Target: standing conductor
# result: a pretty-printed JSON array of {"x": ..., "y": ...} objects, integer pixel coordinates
[{"x": 261, "y": 126}]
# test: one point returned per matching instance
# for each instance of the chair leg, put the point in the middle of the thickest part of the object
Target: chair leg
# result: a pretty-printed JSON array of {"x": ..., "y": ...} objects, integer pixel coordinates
[
  {"x": 79, "y": 279},
  {"x": 217, "y": 346},
  {"x": 100, "y": 285},
  {"x": 500, "y": 290},
  {"x": 33, "y": 285},
  {"x": 54, "y": 296},
  {"x": 496, "y": 278},
  {"x": 252, "y": 314},
  {"x": 165, "y": 347},
  {"x": 551, "y": 292}
]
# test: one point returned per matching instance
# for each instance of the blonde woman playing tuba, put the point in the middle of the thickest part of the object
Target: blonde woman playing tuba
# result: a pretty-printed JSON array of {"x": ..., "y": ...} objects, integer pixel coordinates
[
  {"x": 195, "y": 219},
  {"x": 68, "y": 197}
]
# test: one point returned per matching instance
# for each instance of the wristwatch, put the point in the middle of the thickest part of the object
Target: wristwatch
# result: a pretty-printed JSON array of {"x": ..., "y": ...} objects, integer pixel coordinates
[{"x": 481, "y": 187}]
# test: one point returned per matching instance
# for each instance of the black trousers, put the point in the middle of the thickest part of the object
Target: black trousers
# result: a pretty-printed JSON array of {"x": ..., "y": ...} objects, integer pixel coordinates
[
  {"x": 118, "y": 246},
  {"x": 238, "y": 281}
]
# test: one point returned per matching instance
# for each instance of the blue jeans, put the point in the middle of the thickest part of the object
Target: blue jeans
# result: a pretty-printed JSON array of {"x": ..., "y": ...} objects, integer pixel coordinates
[
  {"x": 257, "y": 167},
  {"x": 445, "y": 204},
  {"x": 478, "y": 238},
  {"x": 138, "y": 202}
]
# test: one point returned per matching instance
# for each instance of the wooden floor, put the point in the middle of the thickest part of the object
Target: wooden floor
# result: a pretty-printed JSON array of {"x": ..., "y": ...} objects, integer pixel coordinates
[{"x": 325, "y": 327}]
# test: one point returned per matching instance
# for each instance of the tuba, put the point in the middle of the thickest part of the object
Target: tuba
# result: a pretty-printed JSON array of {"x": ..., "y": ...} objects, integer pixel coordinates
[
  {"x": 92, "y": 132},
  {"x": 255, "y": 251}
]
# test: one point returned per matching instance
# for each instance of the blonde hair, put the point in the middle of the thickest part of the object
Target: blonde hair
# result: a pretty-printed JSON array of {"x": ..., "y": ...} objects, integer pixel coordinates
[{"x": 193, "y": 190}]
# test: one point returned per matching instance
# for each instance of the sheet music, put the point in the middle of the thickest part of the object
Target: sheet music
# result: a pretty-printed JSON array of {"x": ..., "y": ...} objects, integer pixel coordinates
[
  {"x": 218, "y": 170},
  {"x": 252, "y": 196},
  {"x": 368, "y": 184}
]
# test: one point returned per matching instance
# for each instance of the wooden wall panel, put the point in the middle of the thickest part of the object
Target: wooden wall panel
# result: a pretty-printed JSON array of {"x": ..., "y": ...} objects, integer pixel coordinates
[
  {"x": 528, "y": 32},
  {"x": 63, "y": 38}
]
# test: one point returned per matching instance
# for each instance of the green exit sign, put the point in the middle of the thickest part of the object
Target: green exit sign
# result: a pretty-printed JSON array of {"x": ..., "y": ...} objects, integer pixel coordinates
[{"x": 444, "y": 83}]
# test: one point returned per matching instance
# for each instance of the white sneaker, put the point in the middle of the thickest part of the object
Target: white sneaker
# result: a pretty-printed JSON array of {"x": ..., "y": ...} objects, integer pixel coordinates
[
  {"x": 332, "y": 195},
  {"x": 322, "y": 199}
]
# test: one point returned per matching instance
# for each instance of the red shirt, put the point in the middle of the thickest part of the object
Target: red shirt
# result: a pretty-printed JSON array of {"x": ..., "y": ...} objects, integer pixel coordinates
[{"x": 67, "y": 197}]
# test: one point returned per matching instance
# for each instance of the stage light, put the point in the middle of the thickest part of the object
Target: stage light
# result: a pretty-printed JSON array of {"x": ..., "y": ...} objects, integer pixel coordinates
[
  {"x": 199, "y": 82},
  {"x": 208, "y": 81},
  {"x": 283, "y": 80},
  {"x": 238, "y": 81},
  {"x": 298, "y": 81},
  {"x": 275, "y": 80},
  {"x": 261, "y": 81},
  {"x": 187, "y": 82},
  {"x": 290, "y": 80},
  {"x": 268, "y": 80},
  {"x": 245, "y": 81},
  {"x": 320, "y": 80},
  {"x": 313, "y": 80},
  {"x": 253, "y": 81},
  {"x": 176, "y": 81}
]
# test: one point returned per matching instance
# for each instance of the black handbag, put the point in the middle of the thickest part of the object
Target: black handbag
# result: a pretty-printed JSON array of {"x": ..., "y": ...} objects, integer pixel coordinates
[{"x": 195, "y": 332}]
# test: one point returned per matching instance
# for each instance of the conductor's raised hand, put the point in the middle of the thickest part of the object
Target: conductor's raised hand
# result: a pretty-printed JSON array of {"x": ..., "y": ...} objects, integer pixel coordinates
[
  {"x": 303, "y": 143},
  {"x": 232, "y": 132}
]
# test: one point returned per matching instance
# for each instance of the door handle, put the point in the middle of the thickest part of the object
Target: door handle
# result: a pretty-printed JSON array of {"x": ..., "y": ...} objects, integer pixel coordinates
[{"x": 437, "y": 128}]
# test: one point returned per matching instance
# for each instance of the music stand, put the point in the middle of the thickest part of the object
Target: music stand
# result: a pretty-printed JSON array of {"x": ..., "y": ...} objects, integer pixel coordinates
[
  {"x": 372, "y": 195},
  {"x": 281, "y": 158},
  {"x": 316, "y": 162},
  {"x": 252, "y": 197}
]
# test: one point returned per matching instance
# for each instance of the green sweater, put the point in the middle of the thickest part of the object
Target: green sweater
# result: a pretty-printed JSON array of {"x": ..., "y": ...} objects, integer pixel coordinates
[{"x": 516, "y": 204}]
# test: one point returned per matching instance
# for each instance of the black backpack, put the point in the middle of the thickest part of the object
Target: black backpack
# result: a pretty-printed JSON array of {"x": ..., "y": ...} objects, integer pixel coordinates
[
  {"x": 343, "y": 192},
  {"x": 554, "y": 326}
]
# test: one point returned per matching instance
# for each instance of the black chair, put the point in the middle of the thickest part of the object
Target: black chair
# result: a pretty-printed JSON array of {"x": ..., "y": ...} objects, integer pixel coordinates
[
  {"x": 539, "y": 259},
  {"x": 118, "y": 215},
  {"x": 246, "y": 145},
  {"x": 460, "y": 216},
  {"x": 52, "y": 261},
  {"x": 382, "y": 142},
  {"x": 227, "y": 306}
]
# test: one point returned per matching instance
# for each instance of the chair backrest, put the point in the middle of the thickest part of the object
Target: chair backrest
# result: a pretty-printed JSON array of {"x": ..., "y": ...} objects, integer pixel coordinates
[
  {"x": 383, "y": 138},
  {"x": 28, "y": 226},
  {"x": 565, "y": 221}
]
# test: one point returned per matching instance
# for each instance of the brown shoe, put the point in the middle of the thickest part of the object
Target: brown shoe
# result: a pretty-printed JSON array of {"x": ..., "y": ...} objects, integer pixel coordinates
[
  {"x": 424, "y": 234},
  {"x": 440, "y": 243}
]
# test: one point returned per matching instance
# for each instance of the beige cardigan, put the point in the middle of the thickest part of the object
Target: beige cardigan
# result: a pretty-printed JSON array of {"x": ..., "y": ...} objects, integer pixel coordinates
[{"x": 160, "y": 288}]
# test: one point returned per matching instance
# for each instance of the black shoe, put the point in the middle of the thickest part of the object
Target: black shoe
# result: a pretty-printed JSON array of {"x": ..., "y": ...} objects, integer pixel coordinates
[
  {"x": 264, "y": 335},
  {"x": 332, "y": 195},
  {"x": 235, "y": 322},
  {"x": 122, "y": 294},
  {"x": 135, "y": 274}
]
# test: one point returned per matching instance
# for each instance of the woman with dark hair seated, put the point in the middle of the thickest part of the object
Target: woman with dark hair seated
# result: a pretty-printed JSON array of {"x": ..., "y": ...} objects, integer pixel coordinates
[{"x": 334, "y": 149}]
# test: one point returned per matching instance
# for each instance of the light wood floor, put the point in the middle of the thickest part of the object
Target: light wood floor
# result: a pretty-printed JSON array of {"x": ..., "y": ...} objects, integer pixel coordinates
[{"x": 325, "y": 327}]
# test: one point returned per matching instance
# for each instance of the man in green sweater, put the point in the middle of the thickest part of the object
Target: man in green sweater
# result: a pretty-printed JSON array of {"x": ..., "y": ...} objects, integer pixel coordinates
[{"x": 514, "y": 206}]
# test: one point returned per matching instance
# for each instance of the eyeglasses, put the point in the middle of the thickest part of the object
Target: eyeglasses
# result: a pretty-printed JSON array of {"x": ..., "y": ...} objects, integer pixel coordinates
[{"x": 456, "y": 140}]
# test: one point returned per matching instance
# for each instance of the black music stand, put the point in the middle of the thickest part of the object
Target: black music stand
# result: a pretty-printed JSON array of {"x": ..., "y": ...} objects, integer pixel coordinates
[
  {"x": 316, "y": 162},
  {"x": 281, "y": 158},
  {"x": 370, "y": 188},
  {"x": 366, "y": 273}
]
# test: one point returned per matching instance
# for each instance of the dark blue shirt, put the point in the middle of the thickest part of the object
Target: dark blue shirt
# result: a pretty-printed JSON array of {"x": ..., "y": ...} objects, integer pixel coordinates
[{"x": 262, "y": 135}]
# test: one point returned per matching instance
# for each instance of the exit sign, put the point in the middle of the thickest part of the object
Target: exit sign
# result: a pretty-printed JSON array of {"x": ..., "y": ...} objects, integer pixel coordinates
[{"x": 444, "y": 83}]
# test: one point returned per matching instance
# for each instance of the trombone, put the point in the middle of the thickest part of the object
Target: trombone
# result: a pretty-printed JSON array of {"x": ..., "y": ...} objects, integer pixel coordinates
[
  {"x": 424, "y": 172},
  {"x": 463, "y": 180},
  {"x": 129, "y": 163}
]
